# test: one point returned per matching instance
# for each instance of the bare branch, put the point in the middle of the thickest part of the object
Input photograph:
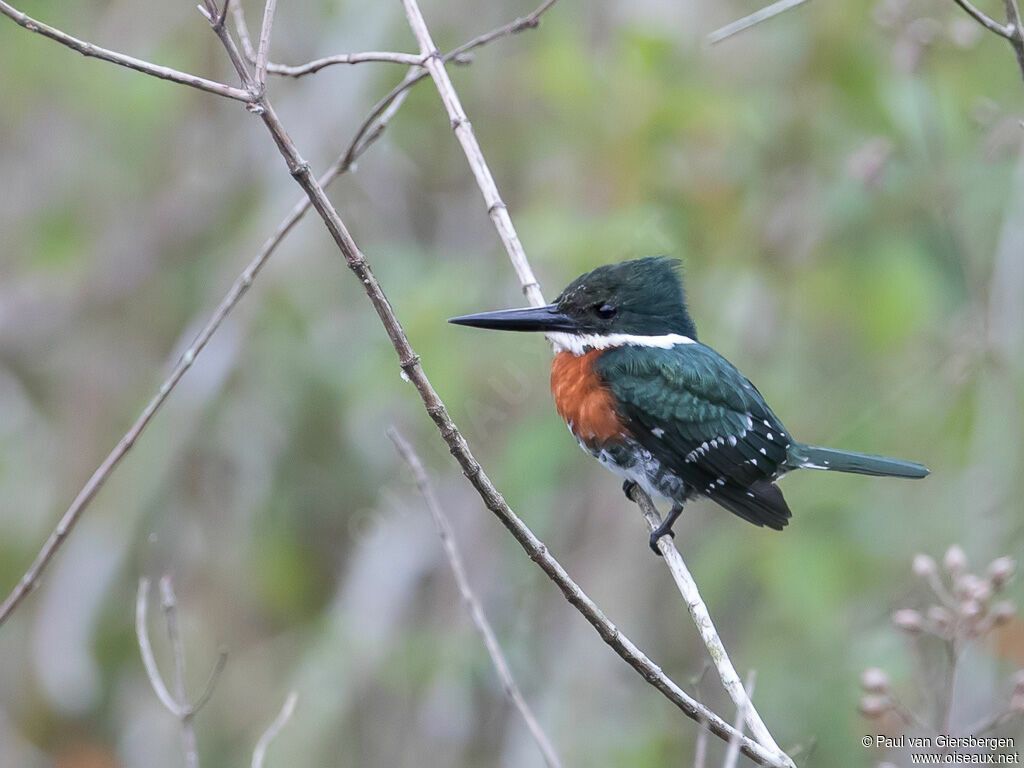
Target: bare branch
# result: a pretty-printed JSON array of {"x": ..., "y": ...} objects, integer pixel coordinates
[
  {"x": 990, "y": 723},
  {"x": 169, "y": 605},
  {"x": 1013, "y": 30},
  {"x": 238, "y": 14},
  {"x": 986, "y": 21},
  {"x": 263, "y": 53},
  {"x": 211, "y": 682},
  {"x": 178, "y": 704},
  {"x": 768, "y": 12},
  {"x": 368, "y": 132},
  {"x": 700, "y": 748},
  {"x": 311, "y": 67},
  {"x": 222, "y": 33},
  {"x": 260, "y": 752},
  {"x": 222, "y": 16},
  {"x": 732, "y": 752},
  {"x": 409, "y": 362},
  {"x": 146, "y": 650},
  {"x": 1016, "y": 29},
  {"x": 506, "y": 231},
  {"x": 476, "y": 611},
  {"x": 496, "y": 207},
  {"x": 96, "y": 52},
  {"x": 702, "y": 619}
]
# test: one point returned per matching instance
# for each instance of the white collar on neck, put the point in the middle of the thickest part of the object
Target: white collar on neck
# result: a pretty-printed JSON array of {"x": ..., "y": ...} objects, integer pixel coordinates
[{"x": 580, "y": 343}]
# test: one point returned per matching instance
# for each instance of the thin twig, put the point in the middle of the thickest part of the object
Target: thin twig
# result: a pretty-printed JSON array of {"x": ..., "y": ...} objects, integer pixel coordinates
[
  {"x": 476, "y": 611},
  {"x": 222, "y": 33},
  {"x": 177, "y": 704},
  {"x": 986, "y": 21},
  {"x": 732, "y": 752},
  {"x": 263, "y": 52},
  {"x": 123, "y": 60},
  {"x": 368, "y": 132},
  {"x": 222, "y": 16},
  {"x": 496, "y": 207},
  {"x": 242, "y": 28},
  {"x": 992, "y": 722},
  {"x": 311, "y": 67},
  {"x": 1016, "y": 29},
  {"x": 156, "y": 680},
  {"x": 700, "y": 748},
  {"x": 1013, "y": 31},
  {"x": 702, "y": 619},
  {"x": 169, "y": 604},
  {"x": 768, "y": 12},
  {"x": 211, "y": 682},
  {"x": 260, "y": 752}
]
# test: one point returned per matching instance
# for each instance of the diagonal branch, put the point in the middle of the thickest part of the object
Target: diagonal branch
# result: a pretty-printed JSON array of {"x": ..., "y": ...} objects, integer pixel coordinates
[
  {"x": 409, "y": 362},
  {"x": 367, "y": 133},
  {"x": 702, "y": 619},
  {"x": 260, "y": 752},
  {"x": 985, "y": 20},
  {"x": 169, "y": 605},
  {"x": 1016, "y": 30},
  {"x": 732, "y": 752},
  {"x": 123, "y": 60},
  {"x": 476, "y": 611},
  {"x": 178, "y": 703},
  {"x": 1013, "y": 30},
  {"x": 156, "y": 680},
  {"x": 496, "y": 207},
  {"x": 768, "y": 12},
  {"x": 311, "y": 67},
  {"x": 503, "y": 223},
  {"x": 263, "y": 53}
]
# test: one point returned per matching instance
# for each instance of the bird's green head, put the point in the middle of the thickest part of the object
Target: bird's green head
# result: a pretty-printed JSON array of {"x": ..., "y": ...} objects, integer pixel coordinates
[{"x": 611, "y": 305}]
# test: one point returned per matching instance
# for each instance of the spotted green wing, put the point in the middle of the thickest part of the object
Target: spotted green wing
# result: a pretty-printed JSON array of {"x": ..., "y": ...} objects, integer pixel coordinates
[{"x": 705, "y": 422}]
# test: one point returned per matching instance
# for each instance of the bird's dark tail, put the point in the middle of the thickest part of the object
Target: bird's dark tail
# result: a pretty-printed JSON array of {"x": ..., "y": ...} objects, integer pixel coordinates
[{"x": 815, "y": 457}]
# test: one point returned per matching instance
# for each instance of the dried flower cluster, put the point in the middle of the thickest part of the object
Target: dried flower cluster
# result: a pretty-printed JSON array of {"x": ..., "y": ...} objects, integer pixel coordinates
[{"x": 966, "y": 607}]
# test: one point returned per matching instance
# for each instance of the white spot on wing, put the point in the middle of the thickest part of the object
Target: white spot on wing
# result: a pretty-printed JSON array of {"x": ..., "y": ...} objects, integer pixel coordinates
[{"x": 658, "y": 432}]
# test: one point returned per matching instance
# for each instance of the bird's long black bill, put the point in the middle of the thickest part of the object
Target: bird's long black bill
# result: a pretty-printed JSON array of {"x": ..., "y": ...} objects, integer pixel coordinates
[{"x": 527, "y": 319}]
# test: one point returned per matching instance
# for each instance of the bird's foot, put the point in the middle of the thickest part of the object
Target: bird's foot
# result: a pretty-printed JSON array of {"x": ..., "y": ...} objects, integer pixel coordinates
[
  {"x": 627, "y": 488},
  {"x": 665, "y": 528},
  {"x": 662, "y": 530}
]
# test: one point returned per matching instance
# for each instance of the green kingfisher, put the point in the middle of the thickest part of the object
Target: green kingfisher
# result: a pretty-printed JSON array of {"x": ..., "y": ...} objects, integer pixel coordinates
[{"x": 662, "y": 410}]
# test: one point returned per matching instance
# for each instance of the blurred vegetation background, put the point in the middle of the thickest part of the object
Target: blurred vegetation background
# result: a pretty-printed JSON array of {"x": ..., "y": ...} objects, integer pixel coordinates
[{"x": 845, "y": 187}]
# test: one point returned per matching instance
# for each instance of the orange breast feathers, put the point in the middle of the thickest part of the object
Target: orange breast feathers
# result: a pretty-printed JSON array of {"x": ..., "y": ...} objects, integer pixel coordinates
[{"x": 584, "y": 401}]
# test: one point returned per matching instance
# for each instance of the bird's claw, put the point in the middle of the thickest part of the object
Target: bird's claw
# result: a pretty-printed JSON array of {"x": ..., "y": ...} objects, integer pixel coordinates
[
  {"x": 657, "y": 533},
  {"x": 627, "y": 488}
]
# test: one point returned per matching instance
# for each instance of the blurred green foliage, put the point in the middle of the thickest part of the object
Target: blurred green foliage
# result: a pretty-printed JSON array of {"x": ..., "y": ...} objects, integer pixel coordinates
[{"x": 844, "y": 186}]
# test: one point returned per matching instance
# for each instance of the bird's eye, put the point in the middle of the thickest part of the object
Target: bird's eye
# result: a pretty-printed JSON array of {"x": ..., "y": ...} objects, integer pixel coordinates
[{"x": 605, "y": 311}]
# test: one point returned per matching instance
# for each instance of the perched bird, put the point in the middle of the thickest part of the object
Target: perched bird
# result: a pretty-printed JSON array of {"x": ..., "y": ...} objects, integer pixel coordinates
[{"x": 662, "y": 410}]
